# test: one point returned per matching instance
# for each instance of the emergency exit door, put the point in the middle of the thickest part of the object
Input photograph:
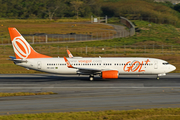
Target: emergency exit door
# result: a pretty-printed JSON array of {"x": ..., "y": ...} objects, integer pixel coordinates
[{"x": 39, "y": 64}]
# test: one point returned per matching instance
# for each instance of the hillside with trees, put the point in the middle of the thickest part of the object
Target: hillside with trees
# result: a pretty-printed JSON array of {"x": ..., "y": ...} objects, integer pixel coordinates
[
  {"x": 147, "y": 10},
  {"x": 48, "y": 8}
]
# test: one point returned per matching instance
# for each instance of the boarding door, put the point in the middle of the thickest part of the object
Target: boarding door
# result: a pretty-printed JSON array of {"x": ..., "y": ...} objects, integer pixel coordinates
[{"x": 155, "y": 64}]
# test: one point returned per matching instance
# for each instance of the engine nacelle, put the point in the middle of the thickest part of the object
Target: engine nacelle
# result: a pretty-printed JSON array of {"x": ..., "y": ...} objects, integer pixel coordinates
[{"x": 111, "y": 74}]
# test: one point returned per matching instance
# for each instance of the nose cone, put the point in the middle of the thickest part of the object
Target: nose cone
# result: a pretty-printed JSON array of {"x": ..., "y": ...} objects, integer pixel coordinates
[{"x": 172, "y": 68}]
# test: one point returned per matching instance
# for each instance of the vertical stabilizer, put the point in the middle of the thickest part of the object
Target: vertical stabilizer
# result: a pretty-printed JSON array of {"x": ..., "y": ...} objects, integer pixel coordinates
[{"x": 22, "y": 48}]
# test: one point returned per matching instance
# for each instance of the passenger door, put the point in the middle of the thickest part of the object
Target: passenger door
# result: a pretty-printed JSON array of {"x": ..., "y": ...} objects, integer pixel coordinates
[{"x": 155, "y": 64}]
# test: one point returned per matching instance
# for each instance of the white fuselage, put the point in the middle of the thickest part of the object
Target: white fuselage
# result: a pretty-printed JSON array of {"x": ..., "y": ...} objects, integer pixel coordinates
[{"x": 125, "y": 65}]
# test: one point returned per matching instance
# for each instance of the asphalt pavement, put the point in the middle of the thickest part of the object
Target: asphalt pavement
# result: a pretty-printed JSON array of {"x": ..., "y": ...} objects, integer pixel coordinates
[{"x": 77, "y": 93}]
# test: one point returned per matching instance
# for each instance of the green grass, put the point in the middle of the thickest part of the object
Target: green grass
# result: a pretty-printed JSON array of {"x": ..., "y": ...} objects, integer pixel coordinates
[
  {"x": 39, "y": 21},
  {"x": 151, "y": 33},
  {"x": 25, "y": 94},
  {"x": 144, "y": 114},
  {"x": 61, "y": 26},
  {"x": 157, "y": 34}
]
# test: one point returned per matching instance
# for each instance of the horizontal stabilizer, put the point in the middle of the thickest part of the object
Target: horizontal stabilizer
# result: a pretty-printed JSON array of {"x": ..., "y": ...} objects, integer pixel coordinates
[{"x": 17, "y": 60}]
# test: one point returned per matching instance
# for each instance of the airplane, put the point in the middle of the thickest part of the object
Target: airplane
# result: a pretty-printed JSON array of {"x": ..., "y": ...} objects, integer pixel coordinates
[{"x": 107, "y": 68}]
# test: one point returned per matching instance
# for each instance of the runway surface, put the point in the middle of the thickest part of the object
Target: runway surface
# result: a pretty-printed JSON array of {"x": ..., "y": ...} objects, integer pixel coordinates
[{"x": 79, "y": 94}]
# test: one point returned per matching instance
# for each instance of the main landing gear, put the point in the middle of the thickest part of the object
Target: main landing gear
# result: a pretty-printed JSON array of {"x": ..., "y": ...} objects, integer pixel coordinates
[{"x": 91, "y": 77}]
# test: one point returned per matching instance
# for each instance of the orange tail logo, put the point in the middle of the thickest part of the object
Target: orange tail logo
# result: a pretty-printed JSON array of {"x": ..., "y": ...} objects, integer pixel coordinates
[{"x": 21, "y": 47}]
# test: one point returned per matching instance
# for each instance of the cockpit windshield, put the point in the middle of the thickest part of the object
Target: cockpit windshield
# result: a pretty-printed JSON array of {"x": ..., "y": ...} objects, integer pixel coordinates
[{"x": 165, "y": 63}]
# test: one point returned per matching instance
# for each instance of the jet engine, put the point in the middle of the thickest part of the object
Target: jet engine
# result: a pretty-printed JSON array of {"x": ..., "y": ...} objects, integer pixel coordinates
[{"x": 110, "y": 74}]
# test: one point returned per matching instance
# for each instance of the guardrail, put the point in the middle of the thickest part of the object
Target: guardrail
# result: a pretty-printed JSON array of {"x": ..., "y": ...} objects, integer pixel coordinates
[{"x": 129, "y": 24}]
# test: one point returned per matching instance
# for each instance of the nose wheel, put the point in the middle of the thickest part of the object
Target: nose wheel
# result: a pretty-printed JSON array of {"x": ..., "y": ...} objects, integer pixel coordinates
[{"x": 91, "y": 77}]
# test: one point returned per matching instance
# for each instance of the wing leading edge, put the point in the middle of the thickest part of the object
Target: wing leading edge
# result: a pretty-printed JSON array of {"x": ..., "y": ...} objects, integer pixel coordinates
[{"x": 85, "y": 70}]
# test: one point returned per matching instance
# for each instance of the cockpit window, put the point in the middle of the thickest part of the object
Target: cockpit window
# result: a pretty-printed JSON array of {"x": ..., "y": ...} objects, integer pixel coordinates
[{"x": 165, "y": 63}]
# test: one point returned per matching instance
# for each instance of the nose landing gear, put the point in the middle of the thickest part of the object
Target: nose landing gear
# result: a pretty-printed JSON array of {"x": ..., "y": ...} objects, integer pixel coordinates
[{"x": 162, "y": 74}]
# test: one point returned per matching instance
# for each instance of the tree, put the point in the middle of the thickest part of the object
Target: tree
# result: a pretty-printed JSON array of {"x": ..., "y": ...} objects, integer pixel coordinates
[
  {"x": 77, "y": 4},
  {"x": 177, "y": 7},
  {"x": 51, "y": 7},
  {"x": 90, "y": 7},
  {"x": 3, "y": 8}
]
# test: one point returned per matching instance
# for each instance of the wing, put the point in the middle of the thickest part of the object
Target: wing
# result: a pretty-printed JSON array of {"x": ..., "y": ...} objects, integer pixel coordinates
[{"x": 82, "y": 70}]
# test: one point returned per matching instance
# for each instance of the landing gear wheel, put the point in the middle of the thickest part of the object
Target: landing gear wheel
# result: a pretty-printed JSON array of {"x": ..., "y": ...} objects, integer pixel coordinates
[
  {"x": 157, "y": 78},
  {"x": 91, "y": 78}
]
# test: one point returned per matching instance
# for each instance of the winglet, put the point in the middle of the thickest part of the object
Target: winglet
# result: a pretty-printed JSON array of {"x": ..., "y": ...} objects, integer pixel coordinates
[
  {"x": 69, "y": 53},
  {"x": 68, "y": 63}
]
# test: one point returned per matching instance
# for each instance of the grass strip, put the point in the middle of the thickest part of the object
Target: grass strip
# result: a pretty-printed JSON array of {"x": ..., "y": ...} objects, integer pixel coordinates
[
  {"x": 53, "y": 28},
  {"x": 144, "y": 114},
  {"x": 25, "y": 94}
]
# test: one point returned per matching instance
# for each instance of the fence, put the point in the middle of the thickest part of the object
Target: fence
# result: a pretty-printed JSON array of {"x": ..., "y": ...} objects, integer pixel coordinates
[
  {"x": 55, "y": 38},
  {"x": 73, "y": 37},
  {"x": 106, "y": 50}
]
